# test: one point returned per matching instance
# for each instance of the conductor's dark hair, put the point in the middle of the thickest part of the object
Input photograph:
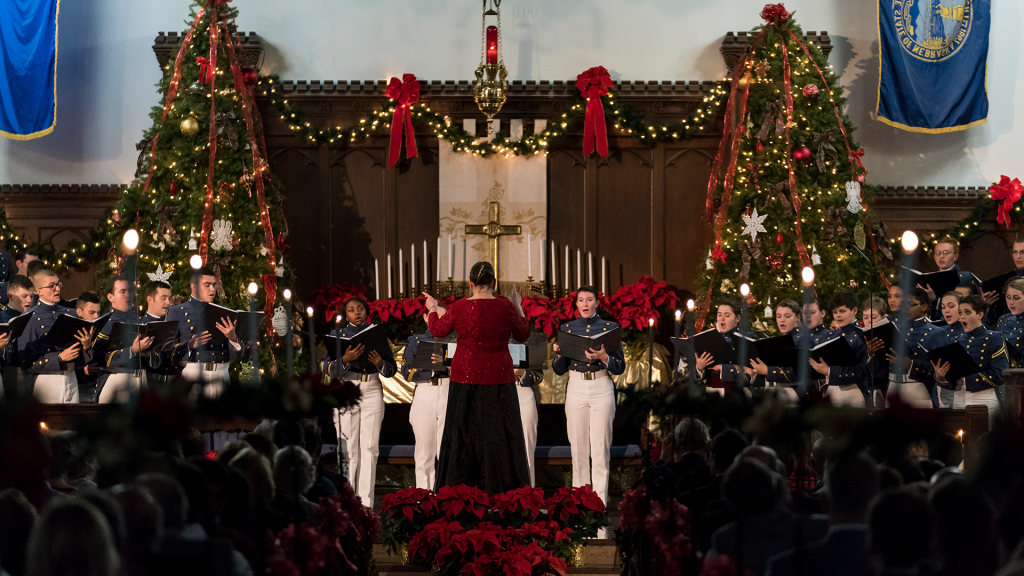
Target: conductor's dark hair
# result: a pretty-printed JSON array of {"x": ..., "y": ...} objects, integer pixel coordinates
[
  {"x": 482, "y": 274},
  {"x": 155, "y": 285},
  {"x": 366, "y": 307},
  {"x": 20, "y": 281},
  {"x": 87, "y": 298},
  {"x": 590, "y": 289},
  {"x": 847, "y": 299},
  {"x": 733, "y": 304},
  {"x": 792, "y": 305},
  {"x": 198, "y": 273},
  {"x": 975, "y": 302}
]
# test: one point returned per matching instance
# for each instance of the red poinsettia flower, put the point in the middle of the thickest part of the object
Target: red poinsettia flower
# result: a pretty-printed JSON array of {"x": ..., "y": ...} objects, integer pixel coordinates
[
  {"x": 589, "y": 499},
  {"x": 633, "y": 508},
  {"x": 410, "y": 501},
  {"x": 456, "y": 499},
  {"x": 423, "y": 545},
  {"x": 527, "y": 501}
]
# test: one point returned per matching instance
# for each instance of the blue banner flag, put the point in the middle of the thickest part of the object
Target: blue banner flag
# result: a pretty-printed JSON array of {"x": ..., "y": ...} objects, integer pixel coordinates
[
  {"x": 28, "y": 68},
  {"x": 932, "y": 59}
]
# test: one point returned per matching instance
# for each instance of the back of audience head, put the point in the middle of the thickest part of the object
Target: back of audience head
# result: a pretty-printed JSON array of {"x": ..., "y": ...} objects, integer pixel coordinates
[
  {"x": 288, "y": 433},
  {"x": 311, "y": 439},
  {"x": 143, "y": 518},
  {"x": 17, "y": 518},
  {"x": 111, "y": 512},
  {"x": 196, "y": 487},
  {"x": 751, "y": 487},
  {"x": 170, "y": 496},
  {"x": 967, "y": 540},
  {"x": 851, "y": 482},
  {"x": 229, "y": 451},
  {"x": 902, "y": 528},
  {"x": 71, "y": 539},
  {"x": 265, "y": 428},
  {"x": 726, "y": 446},
  {"x": 691, "y": 436},
  {"x": 258, "y": 474},
  {"x": 293, "y": 471},
  {"x": 262, "y": 444}
]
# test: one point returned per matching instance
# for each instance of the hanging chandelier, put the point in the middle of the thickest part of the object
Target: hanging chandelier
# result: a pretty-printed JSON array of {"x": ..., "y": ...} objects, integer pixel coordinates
[{"x": 490, "y": 90}]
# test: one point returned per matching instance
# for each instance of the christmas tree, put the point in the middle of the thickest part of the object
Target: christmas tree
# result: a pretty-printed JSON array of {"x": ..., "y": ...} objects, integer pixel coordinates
[
  {"x": 203, "y": 185},
  {"x": 787, "y": 185}
]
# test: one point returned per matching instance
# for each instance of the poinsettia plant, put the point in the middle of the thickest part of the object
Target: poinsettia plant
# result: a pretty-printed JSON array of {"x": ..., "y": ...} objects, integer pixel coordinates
[
  {"x": 516, "y": 560},
  {"x": 464, "y": 504},
  {"x": 404, "y": 514},
  {"x": 518, "y": 506},
  {"x": 578, "y": 508},
  {"x": 425, "y": 543},
  {"x": 549, "y": 535}
]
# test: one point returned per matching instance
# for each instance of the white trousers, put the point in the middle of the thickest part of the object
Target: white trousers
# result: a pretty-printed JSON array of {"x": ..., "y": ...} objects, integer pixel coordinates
[
  {"x": 953, "y": 398},
  {"x": 359, "y": 428},
  {"x": 984, "y": 398},
  {"x": 528, "y": 414},
  {"x": 426, "y": 415},
  {"x": 589, "y": 412},
  {"x": 212, "y": 381},
  {"x": 121, "y": 387},
  {"x": 853, "y": 397},
  {"x": 911, "y": 392},
  {"x": 786, "y": 394},
  {"x": 56, "y": 388}
]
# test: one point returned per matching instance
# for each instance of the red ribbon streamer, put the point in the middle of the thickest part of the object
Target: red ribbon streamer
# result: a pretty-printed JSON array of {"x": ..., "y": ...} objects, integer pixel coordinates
[
  {"x": 1008, "y": 193},
  {"x": 787, "y": 89},
  {"x": 406, "y": 92},
  {"x": 856, "y": 155},
  {"x": 172, "y": 91},
  {"x": 593, "y": 84},
  {"x": 259, "y": 165},
  {"x": 205, "y": 70},
  {"x": 204, "y": 235}
]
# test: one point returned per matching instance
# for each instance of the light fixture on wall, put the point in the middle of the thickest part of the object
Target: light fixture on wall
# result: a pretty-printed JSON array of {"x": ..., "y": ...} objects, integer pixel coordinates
[{"x": 490, "y": 90}]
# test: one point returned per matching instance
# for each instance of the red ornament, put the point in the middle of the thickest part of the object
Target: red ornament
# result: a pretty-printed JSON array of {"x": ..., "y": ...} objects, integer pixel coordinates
[
  {"x": 174, "y": 189},
  {"x": 860, "y": 178},
  {"x": 778, "y": 239},
  {"x": 760, "y": 146},
  {"x": 802, "y": 155},
  {"x": 250, "y": 76},
  {"x": 811, "y": 91}
]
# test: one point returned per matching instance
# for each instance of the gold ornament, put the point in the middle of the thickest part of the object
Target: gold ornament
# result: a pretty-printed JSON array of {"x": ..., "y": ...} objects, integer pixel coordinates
[
  {"x": 189, "y": 127},
  {"x": 858, "y": 236},
  {"x": 744, "y": 81}
]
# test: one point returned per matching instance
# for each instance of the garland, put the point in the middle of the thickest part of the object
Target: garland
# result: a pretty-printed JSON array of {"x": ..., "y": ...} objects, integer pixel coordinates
[{"x": 625, "y": 119}]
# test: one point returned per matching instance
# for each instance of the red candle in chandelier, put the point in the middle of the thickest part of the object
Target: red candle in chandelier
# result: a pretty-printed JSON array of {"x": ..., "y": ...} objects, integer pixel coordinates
[{"x": 492, "y": 44}]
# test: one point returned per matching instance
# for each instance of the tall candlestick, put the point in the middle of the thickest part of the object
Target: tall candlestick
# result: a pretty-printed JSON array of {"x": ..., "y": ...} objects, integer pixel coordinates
[
  {"x": 426, "y": 265},
  {"x": 451, "y": 256},
  {"x": 603, "y": 265},
  {"x": 465, "y": 262},
  {"x": 529, "y": 255},
  {"x": 337, "y": 341},
  {"x": 289, "y": 345},
  {"x": 804, "y": 342},
  {"x": 412, "y": 268},
  {"x": 675, "y": 354},
  {"x": 312, "y": 340},
  {"x": 590, "y": 268},
  {"x": 554, "y": 266},
  {"x": 650, "y": 352},
  {"x": 691, "y": 358},
  {"x": 376, "y": 276},
  {"x": 389, "y": 276},
  {"x": 437, "y": 256},
  {"x": 566, "y": 267},
  {"x": 254, "y": 333},
  {"x": 579, "y": 267},
  {"x": 401, "y": 275},
  {"x": 541, "y": 246},
  {"x": 743, "y": 343}
]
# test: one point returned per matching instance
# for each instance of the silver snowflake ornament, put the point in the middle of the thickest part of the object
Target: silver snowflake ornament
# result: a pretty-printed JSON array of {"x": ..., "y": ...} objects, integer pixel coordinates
[
  {"x": 159, "y": 275},
  {"x": 755, "y": 225}
]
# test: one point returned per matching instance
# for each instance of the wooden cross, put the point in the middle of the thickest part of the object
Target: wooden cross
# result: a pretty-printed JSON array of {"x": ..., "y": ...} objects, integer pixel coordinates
[{"x": 493, "y": 229}]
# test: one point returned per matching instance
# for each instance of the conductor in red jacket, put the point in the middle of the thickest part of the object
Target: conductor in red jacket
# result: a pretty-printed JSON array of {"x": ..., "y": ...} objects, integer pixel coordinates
[{"x": 483, "y": 443}]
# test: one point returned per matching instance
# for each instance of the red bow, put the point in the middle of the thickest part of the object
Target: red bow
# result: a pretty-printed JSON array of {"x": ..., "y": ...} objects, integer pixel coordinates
[
  {"x": 1008, "y": 192},
  {"x": 774, "y": 13},
  {"x": 205, "y": 70},
  {"x": 593, "y": 84},
  {"x": 856, "y": 155},
  {"x": 718, "y": 253},
  {"x": 406, "y": 92}
]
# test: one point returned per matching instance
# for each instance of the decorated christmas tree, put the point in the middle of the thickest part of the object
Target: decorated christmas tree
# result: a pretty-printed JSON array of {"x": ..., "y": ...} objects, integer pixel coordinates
[
  {"x": 203, "y": 185},
  {"x": 787, "y": 186}
]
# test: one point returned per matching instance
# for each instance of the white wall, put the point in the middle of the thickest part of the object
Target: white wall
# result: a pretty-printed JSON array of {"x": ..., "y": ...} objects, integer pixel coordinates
[{"x": 107, "y": 71}]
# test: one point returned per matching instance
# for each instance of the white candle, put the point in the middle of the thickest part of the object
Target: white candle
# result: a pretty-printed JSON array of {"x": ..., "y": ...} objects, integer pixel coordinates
[
  {"x": 554, "y": 266},
  {"x": 451, "y": 256},
  {"x": 603, "y": 291},
  {"x": 412, "y": 268},
  {"x": 579, "y": 267},
  {"x": 389, "y": 276},
  {"x": 401, "y": 274},
  {"x": 437, "y": 256},
  {"x": 590, "y": 268},
  {"x": 426, "y": 265},
  {"x": 529, "y": 255},
  {"x": 465, "y": 260},
  {"x": 376, "y": 276},
  {"x": 566, "y": 266},
  {"x": 541, "y": 246}
]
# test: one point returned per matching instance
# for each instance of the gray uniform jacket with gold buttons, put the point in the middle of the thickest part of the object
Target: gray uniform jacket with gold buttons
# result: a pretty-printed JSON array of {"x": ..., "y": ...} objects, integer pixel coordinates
[
  {"x": 37, "y": 357},
  {"x": 989, "y": 351},
  {"x": 335, "y": 368},
  {"x": 1012, "y": 328},
  {"x": 589, "y": 327},
  {"x": 188, "y": 315}
]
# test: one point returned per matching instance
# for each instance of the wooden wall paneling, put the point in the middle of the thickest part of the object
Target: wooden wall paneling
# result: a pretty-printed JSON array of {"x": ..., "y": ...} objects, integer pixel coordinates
[
  {"x": 625, "y": 196},
  {"x": 686, "y": 172},
  {"x": 416, "y": 213},
  {"x": 356, "y": 221},
  {"x": 566, "y": 197},
  {"x": 298, "y": 170}
]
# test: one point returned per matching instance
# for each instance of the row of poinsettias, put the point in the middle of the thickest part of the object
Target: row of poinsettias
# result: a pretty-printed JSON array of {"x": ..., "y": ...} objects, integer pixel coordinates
[{"x": 463, "y": 530}]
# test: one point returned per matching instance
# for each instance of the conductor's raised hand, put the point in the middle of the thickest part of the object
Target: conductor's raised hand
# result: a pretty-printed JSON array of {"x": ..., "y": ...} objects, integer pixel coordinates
[
  {"x": 374, "y": 357},
  {"x": 430, "y": 302},
  {"x": 84, "y": 338},
  {"x": 598, "y": 354},
  {"x": 227, "y": 328},
  {"x": 353, "y": 353},
  {"x": 70, "y": 353},
  {"x": 200, "y": 339},
  {"x": 517, "y": 300}
]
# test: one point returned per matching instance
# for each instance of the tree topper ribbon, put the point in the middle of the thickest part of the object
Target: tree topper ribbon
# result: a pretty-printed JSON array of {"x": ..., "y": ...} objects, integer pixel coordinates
[
  {"x": 774, "y": 13},
  {"x": 593, "y": 84},
  {"x": 1008, "y": 193},
  {"x": 205, "y": 70},
  {"x": 406, "y": 92}
]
